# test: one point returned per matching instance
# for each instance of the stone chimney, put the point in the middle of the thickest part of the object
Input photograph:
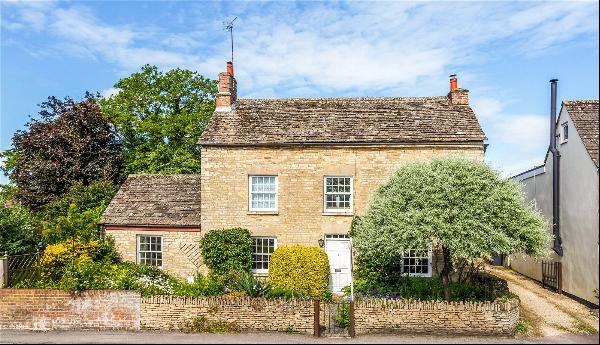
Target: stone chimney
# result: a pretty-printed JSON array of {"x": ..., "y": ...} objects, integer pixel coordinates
[
  {"x": 227, "y": 92},
  {"x": 457, "y": 95}
]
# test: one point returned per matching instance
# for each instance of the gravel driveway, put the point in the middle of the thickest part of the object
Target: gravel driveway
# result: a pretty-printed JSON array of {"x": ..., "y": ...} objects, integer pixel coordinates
[{"x": 547, "y": 313}]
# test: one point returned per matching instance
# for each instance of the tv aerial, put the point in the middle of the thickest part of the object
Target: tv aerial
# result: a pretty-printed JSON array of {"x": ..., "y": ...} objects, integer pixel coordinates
[{"x": 229, "y": 27}]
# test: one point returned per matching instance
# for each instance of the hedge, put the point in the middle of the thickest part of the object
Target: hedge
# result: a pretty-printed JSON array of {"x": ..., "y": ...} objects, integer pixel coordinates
[
  {"x": 227, "y": 250},
  {"x": 299, "y": 268}
]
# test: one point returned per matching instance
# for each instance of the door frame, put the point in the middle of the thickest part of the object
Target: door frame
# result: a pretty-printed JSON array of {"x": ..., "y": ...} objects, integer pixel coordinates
[{"x": 341, "y": 238}]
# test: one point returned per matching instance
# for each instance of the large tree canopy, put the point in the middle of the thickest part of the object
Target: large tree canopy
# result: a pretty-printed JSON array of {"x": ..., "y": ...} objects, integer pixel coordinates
[
  {"x": 460, "y": 206},
  {"x": 71, "y": 141},
  {"x": 160, "y": 117}
]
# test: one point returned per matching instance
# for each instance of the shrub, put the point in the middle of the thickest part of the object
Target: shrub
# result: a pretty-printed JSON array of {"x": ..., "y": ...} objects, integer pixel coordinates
[
  {"x": 249, "y": 284},
  {"x": 75, "y": 223},
  {"x": 302, "y": 269},
  {"x": 228, "y": 250},
  {"x": 17, "y": 228},
  {"x": 85, "y": 197},
  {"x": 211, "y": 285}
]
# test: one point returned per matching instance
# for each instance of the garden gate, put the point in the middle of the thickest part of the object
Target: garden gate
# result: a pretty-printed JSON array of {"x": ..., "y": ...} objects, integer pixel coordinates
[
  {"x": 334, "y": 319},
  {"x": 552, "y": 275},
  {"x": 22, "y": 267}
]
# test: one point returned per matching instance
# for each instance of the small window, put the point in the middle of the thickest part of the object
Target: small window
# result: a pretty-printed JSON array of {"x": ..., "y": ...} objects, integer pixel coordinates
[
  {"x": 417, "y": 263},
  {"x": 565, "y": 132},
  {"x": 338, "y": 194},
  {"x": 262, "y": 248},
  {"x": 150, "y": 250},
  {"x": 262, "y": 193}
]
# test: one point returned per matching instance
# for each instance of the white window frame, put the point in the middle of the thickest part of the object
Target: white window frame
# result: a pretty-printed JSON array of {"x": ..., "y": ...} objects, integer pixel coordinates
[
  {"x": 252, "y": 209},
  {"x": 333, "y": 210},
  {"x": 262, "y": 238},
  {"x": 139, "y": 251},
  {"x": 564, "y": 138},
  {"x": 429, "y": 258}
]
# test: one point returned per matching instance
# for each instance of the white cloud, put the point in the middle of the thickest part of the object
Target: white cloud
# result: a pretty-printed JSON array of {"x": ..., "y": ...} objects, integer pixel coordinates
[
  {"x": 108, "y": 93},
  {"x": 340, "y": 48}
]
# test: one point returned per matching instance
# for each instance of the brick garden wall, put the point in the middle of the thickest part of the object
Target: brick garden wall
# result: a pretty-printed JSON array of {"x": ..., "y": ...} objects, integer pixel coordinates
[
  {"x": 436, "y": 317},
  {"x": 36, "y": 309},
  {"x": 172, "y": 313}
]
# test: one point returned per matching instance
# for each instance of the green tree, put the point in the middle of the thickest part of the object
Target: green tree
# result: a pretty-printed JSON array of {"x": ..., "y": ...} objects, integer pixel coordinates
[
  {"x": 18, "y": 228},
  {"x": 160, "y": 117},
  {"x": 84, "y": 197},
  {"x": 459, "y": 206},
  {"x": 71, "y": 141}
]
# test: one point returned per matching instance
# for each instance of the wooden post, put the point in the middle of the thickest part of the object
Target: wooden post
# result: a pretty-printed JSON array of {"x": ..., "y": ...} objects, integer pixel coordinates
[
  {"x": 3, "y": 269},
  {"x": 317, "y": 323},
  {"x": 559, "y": 277},
  {"x": 351, "y": 329}
]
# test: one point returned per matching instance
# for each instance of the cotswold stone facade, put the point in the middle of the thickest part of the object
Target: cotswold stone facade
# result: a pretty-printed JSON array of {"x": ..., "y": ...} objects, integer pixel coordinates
[
  {"x": 180, "y": 252},
  {"x": 292, "y": 171},
  {"x": 300, "y": 218}
]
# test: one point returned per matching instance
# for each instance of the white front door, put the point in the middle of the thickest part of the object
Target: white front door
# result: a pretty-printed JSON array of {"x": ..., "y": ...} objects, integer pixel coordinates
[{"x": 338, "y": 251}]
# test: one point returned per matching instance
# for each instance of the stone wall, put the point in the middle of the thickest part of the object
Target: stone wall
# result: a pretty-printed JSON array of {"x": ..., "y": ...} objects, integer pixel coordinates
[
  {"x": 181, "y": 247},
  {"x": 172, "y": 313},
  {"x": 41, "y": 310},
  {"x": 300, "y": 218},
  {"x": 436, "y": 317}
]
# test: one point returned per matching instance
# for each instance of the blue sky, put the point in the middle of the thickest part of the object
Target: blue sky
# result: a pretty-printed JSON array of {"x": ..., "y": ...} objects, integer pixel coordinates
[{"x": 503, "y": 52}]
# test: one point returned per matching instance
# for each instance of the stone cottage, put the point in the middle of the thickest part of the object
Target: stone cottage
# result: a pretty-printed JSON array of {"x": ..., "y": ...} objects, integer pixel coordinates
[{"x": 292, "y": 171}]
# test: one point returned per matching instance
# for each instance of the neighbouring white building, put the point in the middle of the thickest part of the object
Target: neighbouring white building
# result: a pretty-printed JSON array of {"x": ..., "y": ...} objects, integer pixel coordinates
[{"x": 577, "y": 146}]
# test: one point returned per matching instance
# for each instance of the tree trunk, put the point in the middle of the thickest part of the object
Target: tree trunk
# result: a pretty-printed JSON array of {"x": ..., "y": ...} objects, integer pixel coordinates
[{"x": 446, "y": 272}]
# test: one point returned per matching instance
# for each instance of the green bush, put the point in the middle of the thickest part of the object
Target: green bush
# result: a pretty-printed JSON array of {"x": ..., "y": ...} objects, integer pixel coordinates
[
  {"x": 420, "y": 288},
  {"x": 228, "y": 250},
  {"x": 301, "y": 269},
  {"x": 211, "y": 285},
  {"x": 248, "y": 283},
  {"x": 284, "y": 293},
  {"x": 18, "y": 228},
  {"x": 85, "y": 197}
]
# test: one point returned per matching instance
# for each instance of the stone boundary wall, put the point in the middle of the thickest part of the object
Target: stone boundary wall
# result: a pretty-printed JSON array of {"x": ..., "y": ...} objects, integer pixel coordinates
[
  {"x": 41, "y": 310},
  {"x": 256, "y": 314},
  {"x": 499, "y": 317}
]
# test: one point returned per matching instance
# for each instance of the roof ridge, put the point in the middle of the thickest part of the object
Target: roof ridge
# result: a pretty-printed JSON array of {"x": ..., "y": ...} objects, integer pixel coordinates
[
  {"x": 568, "y": 101},
  {"x": 361, "y": 98}
]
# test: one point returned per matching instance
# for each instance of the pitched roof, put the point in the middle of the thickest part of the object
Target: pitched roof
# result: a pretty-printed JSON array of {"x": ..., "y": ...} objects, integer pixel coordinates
[
  {"x": 584, "y": 114},
  {"x": 325, "y": 121},
  {"x": 161, "y": 200}
]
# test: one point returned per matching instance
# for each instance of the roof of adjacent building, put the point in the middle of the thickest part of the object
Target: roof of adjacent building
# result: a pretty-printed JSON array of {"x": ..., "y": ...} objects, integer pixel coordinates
[
  {"x": 159, "y": 200},
  {"x": 346, "y": 121},
  {"x": 584, "y": 114}
]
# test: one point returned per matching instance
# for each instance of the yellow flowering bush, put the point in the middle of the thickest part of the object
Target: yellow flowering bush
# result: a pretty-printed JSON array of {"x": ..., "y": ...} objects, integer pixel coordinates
[
  {"x": 301, "y": 269},
  {"x": 61, "y": 254}
]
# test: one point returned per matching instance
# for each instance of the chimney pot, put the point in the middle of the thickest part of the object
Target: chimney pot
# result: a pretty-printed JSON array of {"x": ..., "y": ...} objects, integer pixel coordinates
[
  {"x": 453, "y": 82},
  {"x": 230, "y": 68},
  {"x": 456, "y": 95}
]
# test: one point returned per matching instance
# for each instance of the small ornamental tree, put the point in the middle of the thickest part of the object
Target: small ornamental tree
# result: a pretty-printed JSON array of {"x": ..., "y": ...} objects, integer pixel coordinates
[
  {"x": 227, "y": 250},
  {"x": 458, "y": 206}
]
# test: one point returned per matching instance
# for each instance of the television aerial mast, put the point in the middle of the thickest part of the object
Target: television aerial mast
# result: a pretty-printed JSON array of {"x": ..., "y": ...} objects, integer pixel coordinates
[{"x": 229, "y": 27}]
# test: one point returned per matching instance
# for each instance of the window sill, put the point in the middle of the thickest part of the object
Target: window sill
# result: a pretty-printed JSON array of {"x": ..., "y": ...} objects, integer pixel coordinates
[
  {"x": 564, "y": 141},
  {"x": 273, "y": 213},
  {"x": 347, "y": 214}
]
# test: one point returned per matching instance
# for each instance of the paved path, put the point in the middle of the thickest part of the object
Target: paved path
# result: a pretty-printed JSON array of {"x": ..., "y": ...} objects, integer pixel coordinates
[
  {"x": 547, "y": 313},
  {"x": 148, "y": 337}
]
